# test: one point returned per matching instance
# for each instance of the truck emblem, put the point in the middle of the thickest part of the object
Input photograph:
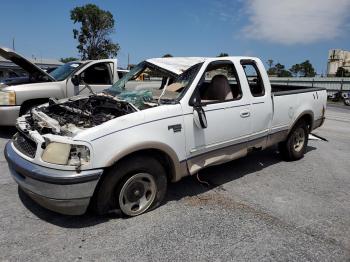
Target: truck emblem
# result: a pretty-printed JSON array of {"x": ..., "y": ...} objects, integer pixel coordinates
[{"x": 176, "y": 128}]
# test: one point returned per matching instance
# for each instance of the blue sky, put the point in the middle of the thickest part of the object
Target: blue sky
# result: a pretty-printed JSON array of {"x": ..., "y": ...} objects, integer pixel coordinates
[{"x": 288, "y": 31}]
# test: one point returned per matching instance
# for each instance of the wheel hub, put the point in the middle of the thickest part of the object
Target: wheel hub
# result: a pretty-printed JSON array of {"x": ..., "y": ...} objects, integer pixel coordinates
[
  {"x": 137, "y": 194},
  {"x": 135, "y": 191}
]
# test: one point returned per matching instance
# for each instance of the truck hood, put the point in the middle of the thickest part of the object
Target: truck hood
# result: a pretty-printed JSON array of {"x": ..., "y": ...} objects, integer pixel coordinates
[
  {"x": 32, "y": 69},
  {"x": 176, "y": 65}
]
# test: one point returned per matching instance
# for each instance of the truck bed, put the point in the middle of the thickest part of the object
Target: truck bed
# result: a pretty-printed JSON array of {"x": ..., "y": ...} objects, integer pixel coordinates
[
  {"x": 289, "y": 102},
  {"x": 278, "y": 89}
]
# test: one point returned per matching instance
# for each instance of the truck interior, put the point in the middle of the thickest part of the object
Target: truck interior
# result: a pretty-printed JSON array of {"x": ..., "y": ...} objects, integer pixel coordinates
[{"x": 219, "y": 83}]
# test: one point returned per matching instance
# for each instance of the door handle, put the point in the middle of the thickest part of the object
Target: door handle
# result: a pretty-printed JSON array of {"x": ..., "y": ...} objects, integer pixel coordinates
[{"x": 245, "y": 114}]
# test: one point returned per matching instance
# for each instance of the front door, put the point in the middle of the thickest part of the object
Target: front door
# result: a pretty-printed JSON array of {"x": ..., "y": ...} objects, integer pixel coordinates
[
  {"x": 227, "y": 112},
  {"x": 98, "y": 76}
]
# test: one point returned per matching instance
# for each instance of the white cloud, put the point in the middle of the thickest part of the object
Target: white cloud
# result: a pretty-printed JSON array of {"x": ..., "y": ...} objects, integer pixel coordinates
[{"x": 296, "y": 21}]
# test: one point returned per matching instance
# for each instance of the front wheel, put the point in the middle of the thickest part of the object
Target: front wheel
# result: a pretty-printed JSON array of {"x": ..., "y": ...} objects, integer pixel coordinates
[
  {"x": 135, "y": 185},
  {"x": 347, "y": 102},
  {"x": 295, "y": 145},
  {"x": 137, "y": 194}
]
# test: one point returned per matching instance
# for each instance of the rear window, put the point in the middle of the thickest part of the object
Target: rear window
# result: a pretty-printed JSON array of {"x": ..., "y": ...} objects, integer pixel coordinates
[{"x": 256, "y": 84}]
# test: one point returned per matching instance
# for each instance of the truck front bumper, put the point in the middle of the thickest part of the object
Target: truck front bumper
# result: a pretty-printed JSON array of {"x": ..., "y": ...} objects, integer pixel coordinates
[
  {"x": 8, "y": 115},
  {"x": 62, "y": 191}
]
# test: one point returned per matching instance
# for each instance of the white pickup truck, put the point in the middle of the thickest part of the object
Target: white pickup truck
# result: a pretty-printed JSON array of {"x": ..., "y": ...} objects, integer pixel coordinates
[
  {"x": 120, "y": 148},
  {"x": 19, "y": 95}
]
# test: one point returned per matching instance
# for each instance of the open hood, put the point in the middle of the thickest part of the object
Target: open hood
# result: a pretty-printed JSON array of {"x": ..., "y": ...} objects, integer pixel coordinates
[
  {"x": 32, "y": 69},
  {"x": 176, "y": 65}
]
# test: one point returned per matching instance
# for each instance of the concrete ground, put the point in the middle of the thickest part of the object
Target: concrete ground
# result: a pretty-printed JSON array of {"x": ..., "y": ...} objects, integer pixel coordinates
[{"x": 258, "y": 208}]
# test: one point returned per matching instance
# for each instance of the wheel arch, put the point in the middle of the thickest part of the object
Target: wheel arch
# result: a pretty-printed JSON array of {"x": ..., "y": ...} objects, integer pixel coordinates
[
  {"x": 165, "y": 154},
  {"x": 307, "y": 117}
]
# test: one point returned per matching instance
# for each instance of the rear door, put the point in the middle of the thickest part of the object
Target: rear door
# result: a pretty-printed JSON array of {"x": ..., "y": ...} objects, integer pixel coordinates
[{"x": 261, "y": 102}]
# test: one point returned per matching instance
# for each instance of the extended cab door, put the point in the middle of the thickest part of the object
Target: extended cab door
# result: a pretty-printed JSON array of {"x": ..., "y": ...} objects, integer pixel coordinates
[
  {"x": 227, "y": 112},
  {"x": 256, "y": 82},
  {"x": 98, "y": 75}
]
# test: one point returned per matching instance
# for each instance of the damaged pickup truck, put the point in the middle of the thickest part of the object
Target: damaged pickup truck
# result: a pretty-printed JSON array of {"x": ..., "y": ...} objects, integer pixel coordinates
[
  {"x": 165, "y": 119},
  {"x": 20, "y": 94}
]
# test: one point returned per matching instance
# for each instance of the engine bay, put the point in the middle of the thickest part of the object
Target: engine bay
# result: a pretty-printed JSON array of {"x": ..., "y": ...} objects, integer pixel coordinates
[{"x": 73, "y": 115}]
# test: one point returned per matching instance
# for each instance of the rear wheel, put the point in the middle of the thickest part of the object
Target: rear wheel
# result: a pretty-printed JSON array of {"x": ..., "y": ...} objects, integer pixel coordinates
[
  {"x": 295, "y": 145},
  {"x": 135, "y": 185}
]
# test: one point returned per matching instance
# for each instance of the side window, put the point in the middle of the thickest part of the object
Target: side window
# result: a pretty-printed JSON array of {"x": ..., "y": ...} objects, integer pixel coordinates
[
  {"x": 256, "y": 84},
  {"x": 219, "y": 83},
  {"x": 98, "y": 74},
  {"x": 12, "y": 74},
  {"x": 121, "y": 74}
]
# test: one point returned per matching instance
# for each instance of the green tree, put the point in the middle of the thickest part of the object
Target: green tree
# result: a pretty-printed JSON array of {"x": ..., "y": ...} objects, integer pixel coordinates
[
  {"x": 295, "y": 69},
  {"x": 271, "y": 71},
  {"x": 306, "y": 69},
  {"x": 223, "y": 55},
  {"x": 279, "y": 67},
  {"x": 167, "y": 55},
  {"x": 279, "y": 70},
  {"x": 68, "y": 59},
  {"x": 285, "y": 73},
  {"x": 270, "y": 63},
  {"x": 342, "y": 72},
  {"x": 94, "y": 33}
]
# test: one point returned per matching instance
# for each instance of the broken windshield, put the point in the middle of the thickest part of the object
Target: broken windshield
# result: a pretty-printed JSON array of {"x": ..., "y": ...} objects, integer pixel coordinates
[
  {"x": 63, "y": 71},
  {"x": 153, "y": 84}
]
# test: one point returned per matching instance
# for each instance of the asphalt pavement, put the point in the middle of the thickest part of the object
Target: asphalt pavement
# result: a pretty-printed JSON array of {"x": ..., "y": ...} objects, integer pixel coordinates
[{"x": 258, "y": 208}]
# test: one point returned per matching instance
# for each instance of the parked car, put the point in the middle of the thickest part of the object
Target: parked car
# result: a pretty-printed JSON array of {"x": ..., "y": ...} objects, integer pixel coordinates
[
  {"x": 337, "y": 96},
  {"x": 19, "y": 95},
  {"x": 8, "y": 74},
  {"x": 346, "y": 98},
  {"x": 119, "y": 149}
]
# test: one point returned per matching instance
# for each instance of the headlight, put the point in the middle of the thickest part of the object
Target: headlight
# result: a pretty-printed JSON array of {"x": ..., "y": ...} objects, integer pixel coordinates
[
  {"x": 7, "y": 98},
  {"x": 66, "y": 154}
]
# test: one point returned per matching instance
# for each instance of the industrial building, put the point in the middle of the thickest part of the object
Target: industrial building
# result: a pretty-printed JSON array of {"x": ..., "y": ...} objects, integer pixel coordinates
[{"x": 337, "y": 58}]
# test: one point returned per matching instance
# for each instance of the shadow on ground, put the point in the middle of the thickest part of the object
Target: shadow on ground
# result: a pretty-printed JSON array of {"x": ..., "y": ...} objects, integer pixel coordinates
[
  {"x": 216, "y": 177},
  {"x": 7, "y": 132}
]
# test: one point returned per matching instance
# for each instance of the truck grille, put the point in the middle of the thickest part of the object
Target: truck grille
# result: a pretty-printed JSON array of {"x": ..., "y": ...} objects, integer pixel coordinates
[{"x": 24, "y": 144}]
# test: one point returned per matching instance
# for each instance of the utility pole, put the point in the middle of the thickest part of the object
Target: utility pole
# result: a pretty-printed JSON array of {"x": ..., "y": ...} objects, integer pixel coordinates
[
  {"x": 13, "y": 43},
  {"x": 128, "y": 61}
]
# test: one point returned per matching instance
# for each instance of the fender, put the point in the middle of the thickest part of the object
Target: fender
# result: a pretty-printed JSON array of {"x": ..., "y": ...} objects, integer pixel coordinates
[
  {"x": 179, "y": 168},
  {"x": 308, "y": 113}
]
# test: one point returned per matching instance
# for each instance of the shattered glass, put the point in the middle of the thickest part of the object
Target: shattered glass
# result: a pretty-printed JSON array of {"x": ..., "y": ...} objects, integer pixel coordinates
[{"x": 137, "y": 98}]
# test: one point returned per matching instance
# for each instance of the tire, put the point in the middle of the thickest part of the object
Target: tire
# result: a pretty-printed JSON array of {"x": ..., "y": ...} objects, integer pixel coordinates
[
  {"x": 295, "y": 145},
  {"x": 347, "y": 102},
  {"x": 134, "y": 186}
]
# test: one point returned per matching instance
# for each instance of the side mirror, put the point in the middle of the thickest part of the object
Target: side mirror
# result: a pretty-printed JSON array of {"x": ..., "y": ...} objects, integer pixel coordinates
[
  {"x": 76, "y": 80},
  {"x": 199, "y": 117}
]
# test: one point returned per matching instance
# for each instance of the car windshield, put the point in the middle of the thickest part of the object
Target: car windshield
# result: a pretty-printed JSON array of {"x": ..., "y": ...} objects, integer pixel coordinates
[
  {"x": 63, "y": 71},
  {"x": 153, "y": 84}
]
